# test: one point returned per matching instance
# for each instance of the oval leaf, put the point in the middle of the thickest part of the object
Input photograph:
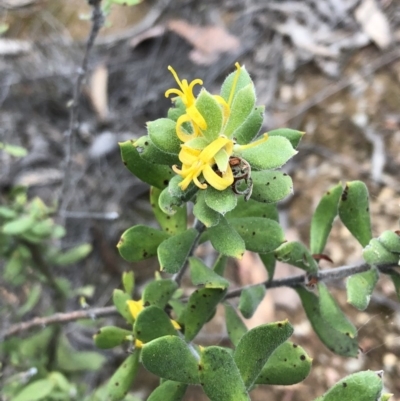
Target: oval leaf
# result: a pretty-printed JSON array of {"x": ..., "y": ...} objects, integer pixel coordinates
[
  {"x": 271, "y": 186},
  {"x": 150, "y": 153},
  {"x": 151, "y": 323},
  {"x": 220, "y": 201},
  {"x": 200, "y": 308},
  {"x": 354, "y": 211},
  {"x": 260, "y": 235},
  {"x": 334, "y": 340},
  {"x": 121, "y": 381},
  {"x": 154, "y": 174},
  {"x": 322, "y": 220},
  {"x": 203, "y": 212},
  {"x": 159, "y": 292},
  {"x": 203, "y": 275},
  {"x": 269, "y": 155},
  {"x": 391, "y": 241},
  {"x": 360, "y": 386},
  {"x": 289, "y": 364},
  {"x": 250, "y": 298},
  {"x": 168, "y": 391},
  {"x": 251, "y": 127},
  {"x": 171, "y": 358},
  {"x": 360, "y": 286},
  {"x": 256, "y": 346},
  {"x": 140, "y": 242},
  {"x": 220, "y": 377},
  {"x": 296, "y": 254},
  {"x": 110, "y": 336},
  {"x": 36, "y": 390},
  {"x": 234, "y": 324},
  {"x": 162, "y": 132},
  {"x": 175, "y": 224},
  {"x": 376, "y": 253},
  {"x": 174, "y": 251}
]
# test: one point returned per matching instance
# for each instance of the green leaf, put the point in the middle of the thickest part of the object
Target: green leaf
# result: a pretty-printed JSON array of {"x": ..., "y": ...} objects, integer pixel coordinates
[
  {"x": 13, "y": 150},
  {"x": 241, "y": 107},
  {"x": 119, "y": 300},
  {"x": 200, "y": 308},
  {"x": 396, "y": 282},
  {"x": 269, "y": 262},
  {"x": 175, "y": 224},
  {"x": 168, "y": 391},
  {"x": 292, "y": 135},
  {"x": 43, "y": 229},
  {"x": 376, "y": 253},
  {"x": 220, "y": 265},
  {"x": 220, "y": 201},
  {"x": 73, "y": 255},
  {"x": 391, "y": 241},
  {"x": 322, "y": 220},
  {"x": 333, "y": 339},
  {"x": 13, "y": 266},
  {"x": 289, "y": 364},
  {"x": 110, "y": 337},
  {"x": 121, "y": 381},
  {"x": 34, "y": 295},
  {"x": 151, "y": 154},
  {"x": 225, "y": 239},
  {"x": 203, "y": 275},
  {"x": 360, "y": 386},
  {"x": 154, "y": 174},
  {"x": 250, "y": 298},
  {"x": 177, "y": 110},
  {"x": 256, "y": 346},
  {"x": 203, "y": 212},
  {"x": 331, "y": 312},
  {"x": 269, "y": 155},
  {"x": 252, "y": 208},
  {"x": 7, "y": 213},
  {"x": 69, "y": 360},
  {"x": 162, "y": 132},
  {"x": 271, "y": 186},
  {"x": 153, "y": 323},
  {"x": 296, "y": 254},
  {"x": 36, "y": 390},
  {"x": 259, "y": 234},
  {"x": 159, "y": 292},
  {"x": 360, "y": 287},
  {"x": 128, "y": 281},
  {"x": 220, "y": 377},
  {"x": 211, "y": 110},
  {"x": 171, "y": 358},
  {"x": 140, "y": 242},
  {"x": 173, "y": 252},
  {"x": 169, "y": 204},
  {"x": 18, "y": 226},
  {"x": 251, "y": 127},
  {"x": 354, "y": 211},
  {"x": 234, "y": 324},
  {"x": 234, "y": 82}
]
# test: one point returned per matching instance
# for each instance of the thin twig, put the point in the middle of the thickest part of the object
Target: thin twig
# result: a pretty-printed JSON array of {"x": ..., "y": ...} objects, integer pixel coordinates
[
  {"x": 97, "y": 23},
  {"x": 200, "y": 227},
  {"x": 294, "y": 281}
]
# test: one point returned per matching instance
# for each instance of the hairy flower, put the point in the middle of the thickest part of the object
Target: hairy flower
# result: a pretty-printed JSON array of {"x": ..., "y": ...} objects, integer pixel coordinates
[{"x": 200, "y": 155}]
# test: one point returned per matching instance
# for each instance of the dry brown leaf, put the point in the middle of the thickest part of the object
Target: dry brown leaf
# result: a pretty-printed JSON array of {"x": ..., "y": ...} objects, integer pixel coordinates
[
  {"x": 374, "y": 23},
  {"x": 153, "y": 32},
  {"x": 209, "y": 41},
  {"x": 98, "y": 91}
]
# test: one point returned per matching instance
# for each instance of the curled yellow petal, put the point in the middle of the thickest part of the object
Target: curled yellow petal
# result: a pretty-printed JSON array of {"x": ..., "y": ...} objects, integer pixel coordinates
[
  {"x": 175, "y": 324},
  {"x": 135, "y": 307},
  {"x": 219, "y": 183}
]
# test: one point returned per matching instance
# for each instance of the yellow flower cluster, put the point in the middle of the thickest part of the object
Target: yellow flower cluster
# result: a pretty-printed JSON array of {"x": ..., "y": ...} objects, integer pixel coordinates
[
  {"x": 212, "y": 160},
  {"x": 201, "y": 161}
]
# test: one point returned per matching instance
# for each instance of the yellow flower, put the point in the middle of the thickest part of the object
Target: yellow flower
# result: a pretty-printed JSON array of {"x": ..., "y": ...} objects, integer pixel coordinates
[
  {"x": 211, "y": 160},
  {"x": 135, "y": 307},
  {"x": 192, "y": 115},
  {"x": 196, "y": 162}
]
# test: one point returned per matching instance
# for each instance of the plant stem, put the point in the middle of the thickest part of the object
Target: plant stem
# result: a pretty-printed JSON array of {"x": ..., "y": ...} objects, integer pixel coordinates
[
  {"x": 294, "y": 281},
  {"x": 200, "y": 227},
  {"x": 97, "y": 23}
]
